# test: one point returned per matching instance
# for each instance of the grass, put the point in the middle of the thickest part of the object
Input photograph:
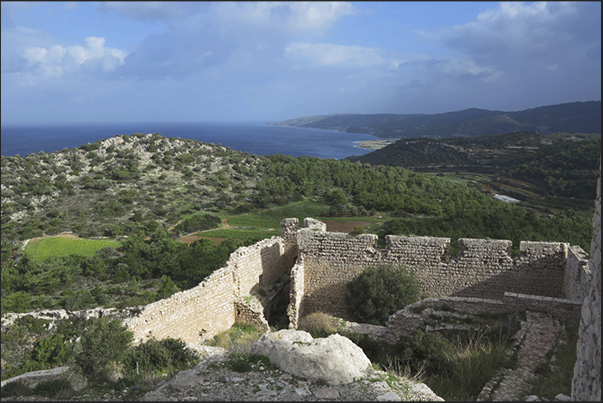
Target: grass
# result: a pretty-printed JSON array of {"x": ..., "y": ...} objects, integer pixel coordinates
[
  {"x": 239, "y": 234},
  {"x": 272, "y": 217},
  {"x": 471, "y": 366},
  {"x": 42, "y": 249},
  {"x": 556, "y": 375},
  {"x": 238, "y": 338},
  {"x": 319, "y": 324}
]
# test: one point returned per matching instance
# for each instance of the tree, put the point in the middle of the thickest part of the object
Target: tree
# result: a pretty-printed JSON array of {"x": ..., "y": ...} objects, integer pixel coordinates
[{"x": 379, "y": 291}]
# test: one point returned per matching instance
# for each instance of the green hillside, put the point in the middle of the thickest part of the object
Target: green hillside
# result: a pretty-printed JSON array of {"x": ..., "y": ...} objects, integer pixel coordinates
[{"x": 148, "y": 191}]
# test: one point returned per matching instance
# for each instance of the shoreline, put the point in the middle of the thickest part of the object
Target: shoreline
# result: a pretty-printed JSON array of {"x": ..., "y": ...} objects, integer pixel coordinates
[{"x": 374, "y": 144}]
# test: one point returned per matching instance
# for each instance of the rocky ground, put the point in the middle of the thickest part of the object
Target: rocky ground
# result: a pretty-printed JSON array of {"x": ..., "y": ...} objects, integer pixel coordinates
[
  {"x": 332, "y": 368},
  {"x": 213, "y": 380}
]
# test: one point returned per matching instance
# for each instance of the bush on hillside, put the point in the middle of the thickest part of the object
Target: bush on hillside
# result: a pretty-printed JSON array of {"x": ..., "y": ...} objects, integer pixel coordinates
[
  {"x": 158, "y": 356},
  {"x": 379, "y": 291},
  {"x": 198, "y": 223},
  {"x": 104, "y": 343}
]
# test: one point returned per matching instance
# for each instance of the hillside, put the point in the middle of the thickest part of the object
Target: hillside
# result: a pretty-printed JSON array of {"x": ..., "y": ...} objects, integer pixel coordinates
[
  {"x": 575, "y": 117},
  {"x": 146, "y": 191},
  {"x": 555, "y": 165}
]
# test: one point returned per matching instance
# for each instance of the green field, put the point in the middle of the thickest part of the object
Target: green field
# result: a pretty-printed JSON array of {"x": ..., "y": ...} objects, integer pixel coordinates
[
  {"x": 239, "y": 234},
  {"x": 271, "y": 218},
  {"x": 41, "y": 249},
  {"x": 267, "y": 223}
]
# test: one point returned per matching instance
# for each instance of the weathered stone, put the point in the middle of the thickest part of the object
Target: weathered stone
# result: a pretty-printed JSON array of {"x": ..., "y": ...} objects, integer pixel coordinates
[{"x": 334, "y": 359}]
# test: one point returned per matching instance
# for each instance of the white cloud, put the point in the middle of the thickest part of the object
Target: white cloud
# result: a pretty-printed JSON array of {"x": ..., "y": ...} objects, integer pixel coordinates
[
  {"x": 332, "y": 55},
  {"x": 58, "y": 60},
  {"x": 286, "y": 17}
]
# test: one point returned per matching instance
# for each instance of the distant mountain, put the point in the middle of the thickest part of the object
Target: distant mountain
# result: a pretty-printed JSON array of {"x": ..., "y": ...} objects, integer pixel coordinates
[{"x": 574, "y": 117}]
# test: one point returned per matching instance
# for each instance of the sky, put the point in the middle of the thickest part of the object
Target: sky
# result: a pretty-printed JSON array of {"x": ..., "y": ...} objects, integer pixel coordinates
[{"x": 86, "y": 62}]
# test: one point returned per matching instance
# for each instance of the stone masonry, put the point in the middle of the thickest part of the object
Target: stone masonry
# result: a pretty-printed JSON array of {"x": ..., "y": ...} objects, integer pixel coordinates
[
  {"x": 316, "y": 265},
  {"x": 483, "y": 268},
  {"x": 586, "y": 385}
]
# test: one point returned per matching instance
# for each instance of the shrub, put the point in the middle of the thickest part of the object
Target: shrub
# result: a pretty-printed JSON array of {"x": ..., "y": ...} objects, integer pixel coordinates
[
  {"x": 51, "y": 350},
  {"x": 106, "y": 340},
  {"x": 379, "y": 291},
  {"x": 167, "y": 355}
]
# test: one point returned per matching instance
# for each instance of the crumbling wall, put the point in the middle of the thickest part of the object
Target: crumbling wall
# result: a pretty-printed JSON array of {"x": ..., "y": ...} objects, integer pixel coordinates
[
  {"x": 483, "y": 268},
  {"x": 213, "y": 305}
]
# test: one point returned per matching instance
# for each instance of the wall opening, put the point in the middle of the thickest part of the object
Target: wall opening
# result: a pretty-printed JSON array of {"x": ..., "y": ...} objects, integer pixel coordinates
[{"x": 277, "y": 315}]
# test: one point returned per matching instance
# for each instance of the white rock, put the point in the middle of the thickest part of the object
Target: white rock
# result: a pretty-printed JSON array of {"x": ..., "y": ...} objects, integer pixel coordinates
[
  {"x": 389, "y": 397},
  {"x": 335, "y": 359}
]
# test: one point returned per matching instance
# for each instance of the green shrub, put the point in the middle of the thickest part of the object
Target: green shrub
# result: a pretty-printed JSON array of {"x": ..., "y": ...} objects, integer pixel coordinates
[
  {"x": 379, "y": 291},
  {"x": 106, "y": 340},
  {"x": 50, "y": 350},
  {"x": 167, "y": 355}
]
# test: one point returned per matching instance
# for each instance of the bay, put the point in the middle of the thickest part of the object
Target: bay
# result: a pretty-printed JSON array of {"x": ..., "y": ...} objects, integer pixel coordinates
[{"x": 252, "y": 137}]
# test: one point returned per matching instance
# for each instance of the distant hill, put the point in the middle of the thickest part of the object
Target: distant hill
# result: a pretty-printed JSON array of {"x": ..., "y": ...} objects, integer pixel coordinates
[
  {"x": 575, "y": 117},
  {"x": 558, "y": 164}
]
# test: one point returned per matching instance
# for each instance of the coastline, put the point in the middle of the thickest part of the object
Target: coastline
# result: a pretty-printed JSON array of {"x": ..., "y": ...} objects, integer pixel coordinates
[{"x": 374, "y": 144}]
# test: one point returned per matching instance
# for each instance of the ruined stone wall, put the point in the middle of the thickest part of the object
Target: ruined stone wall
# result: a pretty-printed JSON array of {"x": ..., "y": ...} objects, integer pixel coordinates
[
  {"x": 586, "y": 385},
  {"x": 483, "y": 268},
  {"x": 577, "y": 274},
  {"x": 208, "y": 307},
  {"x": 212, "y": 306}
]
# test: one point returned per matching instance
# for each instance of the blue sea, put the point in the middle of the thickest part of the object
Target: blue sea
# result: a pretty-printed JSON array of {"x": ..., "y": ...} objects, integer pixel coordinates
[{"x": 255, "y": 138}]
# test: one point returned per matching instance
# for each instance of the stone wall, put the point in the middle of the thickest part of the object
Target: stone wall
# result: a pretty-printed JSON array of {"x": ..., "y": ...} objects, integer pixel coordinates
[
  {"x": 586, "y": 385},
  {"x": 577, "y": 274},
  {"x": 483, "y": 268},
  {"x": 213, "y": 305}
]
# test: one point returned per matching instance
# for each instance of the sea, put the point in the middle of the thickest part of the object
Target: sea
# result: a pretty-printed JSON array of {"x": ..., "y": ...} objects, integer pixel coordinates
[{"x": 253, "y": 137}]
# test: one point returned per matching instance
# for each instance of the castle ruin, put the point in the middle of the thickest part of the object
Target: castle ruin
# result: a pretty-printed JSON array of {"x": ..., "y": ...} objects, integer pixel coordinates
[{"x": 310, "y": 267}]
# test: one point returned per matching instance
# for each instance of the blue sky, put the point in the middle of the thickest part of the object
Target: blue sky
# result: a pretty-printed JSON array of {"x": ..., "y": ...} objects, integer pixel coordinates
[{"x": 252, "y": 61}]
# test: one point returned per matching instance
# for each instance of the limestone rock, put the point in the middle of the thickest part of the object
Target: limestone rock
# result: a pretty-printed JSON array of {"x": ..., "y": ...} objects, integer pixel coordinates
[{"x": 335, "y": 359}]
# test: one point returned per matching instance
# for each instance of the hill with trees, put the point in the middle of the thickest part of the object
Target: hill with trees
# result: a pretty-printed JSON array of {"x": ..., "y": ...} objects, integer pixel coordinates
[
  {"x": 527, "y": 164},
  {"x": 574, "y": 117}
]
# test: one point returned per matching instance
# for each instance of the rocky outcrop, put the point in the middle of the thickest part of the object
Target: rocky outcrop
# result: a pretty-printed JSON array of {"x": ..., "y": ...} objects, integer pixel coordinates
[
  {"x": 335, "y": 359},
  {"x": 214, "y": 380}
]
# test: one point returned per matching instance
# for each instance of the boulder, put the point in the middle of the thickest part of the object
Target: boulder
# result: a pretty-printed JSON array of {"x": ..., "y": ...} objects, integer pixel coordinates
[{"x": 335, "y": 359}]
